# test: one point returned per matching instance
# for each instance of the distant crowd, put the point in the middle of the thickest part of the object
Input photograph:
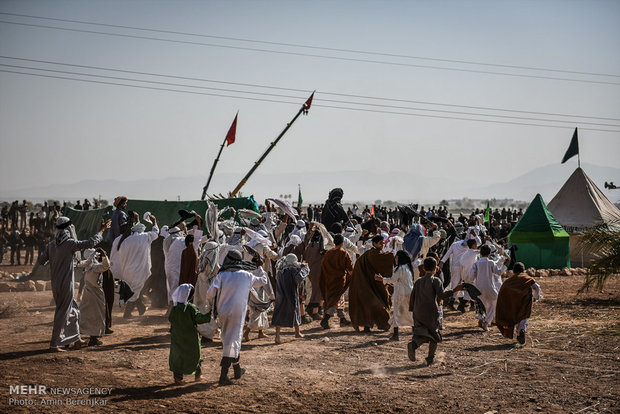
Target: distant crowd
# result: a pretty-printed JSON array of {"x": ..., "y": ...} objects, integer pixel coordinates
[{"x": 26, "y": 228}]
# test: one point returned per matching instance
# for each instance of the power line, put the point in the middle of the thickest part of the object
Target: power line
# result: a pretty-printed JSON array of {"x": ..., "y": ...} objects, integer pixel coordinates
[
  {"x": 146, "y": 87},
  {"x": 296, "y": 103},
  {"x": 365, "y": 52},
  {"x": 314, "y": 55},
  {"x": 303, "y": 90},
  {"x": 297, "y": 97}
]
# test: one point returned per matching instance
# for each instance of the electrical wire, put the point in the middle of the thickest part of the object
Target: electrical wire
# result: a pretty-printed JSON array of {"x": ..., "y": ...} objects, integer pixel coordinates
[
  {"x": 297, "y": 97},
  {"x": 297, "y": 103},
  {"x": 332, "y": 49},
  {"x": 315, "y": 55},
  {"x": 302, "y": 90}
]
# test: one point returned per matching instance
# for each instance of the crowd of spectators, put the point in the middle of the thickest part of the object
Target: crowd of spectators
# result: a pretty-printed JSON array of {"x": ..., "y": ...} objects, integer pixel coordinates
[{"x": 26, "y": 227}]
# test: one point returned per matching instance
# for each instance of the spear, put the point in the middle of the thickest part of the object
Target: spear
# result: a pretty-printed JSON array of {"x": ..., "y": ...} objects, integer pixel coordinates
[
  {"x": 230, "y": 138},
  {"x": 304, "y": 109}
]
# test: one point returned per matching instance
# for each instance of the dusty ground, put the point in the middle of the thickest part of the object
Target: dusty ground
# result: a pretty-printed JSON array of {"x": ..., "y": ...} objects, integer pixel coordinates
[{"x": 569, "y": 364}]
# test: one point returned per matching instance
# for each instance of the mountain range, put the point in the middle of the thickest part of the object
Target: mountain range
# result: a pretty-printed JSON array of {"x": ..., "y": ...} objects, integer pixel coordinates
[{"x": 359, "y": 186}]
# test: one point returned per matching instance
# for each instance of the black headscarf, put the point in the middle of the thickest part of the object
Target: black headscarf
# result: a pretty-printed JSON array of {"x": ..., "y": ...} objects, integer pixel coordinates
[
  {"x": 333, "y": 211},
  {"x": 404, "y": 259},
  {"x": 335, "y": 195},
  {"x": 125, "y": 232},
  {"x": 234, "y": 261}
]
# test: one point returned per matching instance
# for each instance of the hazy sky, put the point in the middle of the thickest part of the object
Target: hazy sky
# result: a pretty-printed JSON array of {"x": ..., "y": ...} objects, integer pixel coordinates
[{"x": 63, "y": 131}]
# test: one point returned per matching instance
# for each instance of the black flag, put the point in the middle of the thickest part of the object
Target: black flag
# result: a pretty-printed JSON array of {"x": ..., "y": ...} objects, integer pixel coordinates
[{"x": 573, "y": 148}]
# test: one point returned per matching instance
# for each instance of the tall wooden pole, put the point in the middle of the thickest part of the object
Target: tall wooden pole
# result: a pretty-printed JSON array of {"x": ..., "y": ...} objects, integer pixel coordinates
[
  {"x": 230, "y": 138},
  {"x": 304, "y": 109},
  {"x": 204, "y": 189}
]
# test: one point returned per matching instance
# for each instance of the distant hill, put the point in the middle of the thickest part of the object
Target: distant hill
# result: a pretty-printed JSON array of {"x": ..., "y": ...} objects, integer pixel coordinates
[
  {"x": 548, "y": 180},
  {"x": 362, "y": 186}
]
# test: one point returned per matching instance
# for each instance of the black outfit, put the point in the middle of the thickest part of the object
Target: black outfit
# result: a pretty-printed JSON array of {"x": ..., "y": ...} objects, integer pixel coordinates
[{"x": 333, "y": 212}]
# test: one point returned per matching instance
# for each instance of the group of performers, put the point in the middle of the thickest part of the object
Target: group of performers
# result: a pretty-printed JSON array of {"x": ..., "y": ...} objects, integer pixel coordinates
[{"x": 249, "y": 271}]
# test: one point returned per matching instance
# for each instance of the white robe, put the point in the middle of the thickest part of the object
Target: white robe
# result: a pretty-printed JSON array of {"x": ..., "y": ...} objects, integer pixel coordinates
[
  {"x": 231, "y": 290},
  {"x": 468, "y": 258},
  {"x": 402, "y": 279},
  {"x": 132, "y": 262},
  {"x": 203, "y": 282},
  {"x": 454, "y": 253},
  {"x": 487, "y": 276},
  {"x": 92, "y": 306},
  {"x": 256, "y": 319},
  {"x": 428, "y": 242},
  {"x": 172, "y": 254}
]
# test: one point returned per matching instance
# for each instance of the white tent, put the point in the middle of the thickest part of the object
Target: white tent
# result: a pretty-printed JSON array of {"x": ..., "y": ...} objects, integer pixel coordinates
[{"x": 579, "y": 205}]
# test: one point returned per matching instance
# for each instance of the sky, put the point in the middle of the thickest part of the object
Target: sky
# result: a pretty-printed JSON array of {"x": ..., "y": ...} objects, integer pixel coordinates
[{"x": 445, "y": 59}]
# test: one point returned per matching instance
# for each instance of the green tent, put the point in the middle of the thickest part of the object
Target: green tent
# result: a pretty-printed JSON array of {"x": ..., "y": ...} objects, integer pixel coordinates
[
  {"x": 541, "y": 241},
  {"x": 166, "y": 212}
]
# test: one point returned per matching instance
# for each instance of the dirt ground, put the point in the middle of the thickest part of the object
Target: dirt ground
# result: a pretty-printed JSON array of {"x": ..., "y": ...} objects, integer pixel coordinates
[{"x": 570, "y": 363}]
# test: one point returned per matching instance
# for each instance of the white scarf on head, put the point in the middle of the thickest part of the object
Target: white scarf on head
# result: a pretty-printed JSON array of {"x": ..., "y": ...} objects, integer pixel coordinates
[
  {"x": 138, "y": 228},
  {"x": 181, "y": 294}
]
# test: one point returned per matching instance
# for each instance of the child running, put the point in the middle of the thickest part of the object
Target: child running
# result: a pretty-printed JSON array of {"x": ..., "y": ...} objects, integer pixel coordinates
[{"x": 424, "y": 303}]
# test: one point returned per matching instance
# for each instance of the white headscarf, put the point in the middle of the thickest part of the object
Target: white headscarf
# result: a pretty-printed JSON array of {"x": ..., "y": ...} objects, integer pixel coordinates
[
  {"x": 208, "y": 259},
  {"x": 293, "y": 240},
  {"x": 300, "y": 229},
  {"x": 257, "y": 237},
  {"x": 181, "y": 294},
  {"x": 138, "y": 228},
  {"x": 288, "y": 261},
  {"x": 164, "y": 231},
  {"x": 89, "y": 256},
  {"x": 174, "y": 231}
]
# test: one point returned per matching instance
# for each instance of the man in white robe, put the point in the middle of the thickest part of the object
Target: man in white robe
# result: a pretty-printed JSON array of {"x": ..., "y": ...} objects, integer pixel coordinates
[
  {"x": 60, "y": 253},
  {"x": 259, "y": 320},
  {"x": 208, "y": 266},
  {"x": 454, "y": 253},
  {"x": 468, "y": 258},
  {"x": 487, "y": 276},
  {"x": 131, "y": 261},
  {"x": 173, "y": 250},
  {"x": 228, "y": 297}
]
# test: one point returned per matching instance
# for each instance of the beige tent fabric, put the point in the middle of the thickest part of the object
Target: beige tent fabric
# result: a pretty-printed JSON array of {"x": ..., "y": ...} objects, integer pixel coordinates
[{"x": 581, "y": 204}]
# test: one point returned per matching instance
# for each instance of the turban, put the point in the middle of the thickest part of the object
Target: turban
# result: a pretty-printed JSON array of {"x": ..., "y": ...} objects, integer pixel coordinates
[{"x": 119, "y": 200}]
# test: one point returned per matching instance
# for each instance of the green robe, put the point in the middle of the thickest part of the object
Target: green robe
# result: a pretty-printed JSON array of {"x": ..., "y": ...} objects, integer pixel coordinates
[{"x": 185, "y": 354}]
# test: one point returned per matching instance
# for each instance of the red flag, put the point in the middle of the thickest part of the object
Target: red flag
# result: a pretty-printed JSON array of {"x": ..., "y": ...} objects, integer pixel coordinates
[
  {"x": 372, "y": 210},
  {"x": 309, "y": 101},
  {"x": 232, "y": 132},
  {"x": 307, "y": 104}
]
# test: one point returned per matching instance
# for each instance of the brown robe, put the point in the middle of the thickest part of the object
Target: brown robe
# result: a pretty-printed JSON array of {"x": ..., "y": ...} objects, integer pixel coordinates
[
  {"x": 368, "y": 298},
  {"x": 314, "y": 257},
  {"x": 335, "y": 276},
  {"x": 514, "y": 303},
  {"x": 424, "y": 303},
  {"x": 189, "y": 266}
]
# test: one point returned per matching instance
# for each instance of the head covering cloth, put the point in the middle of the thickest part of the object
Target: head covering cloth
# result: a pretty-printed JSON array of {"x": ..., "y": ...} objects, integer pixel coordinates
[
  {"x": 412, "y": 242},
  {"x": 181, "y": 294}
]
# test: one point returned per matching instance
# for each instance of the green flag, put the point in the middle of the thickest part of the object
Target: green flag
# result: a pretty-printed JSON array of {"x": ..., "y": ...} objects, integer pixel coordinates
[
  {"x": 573, "y": 148},
  {"x": 487, "y": 213},
  {"x": 300, "y": 200}
]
